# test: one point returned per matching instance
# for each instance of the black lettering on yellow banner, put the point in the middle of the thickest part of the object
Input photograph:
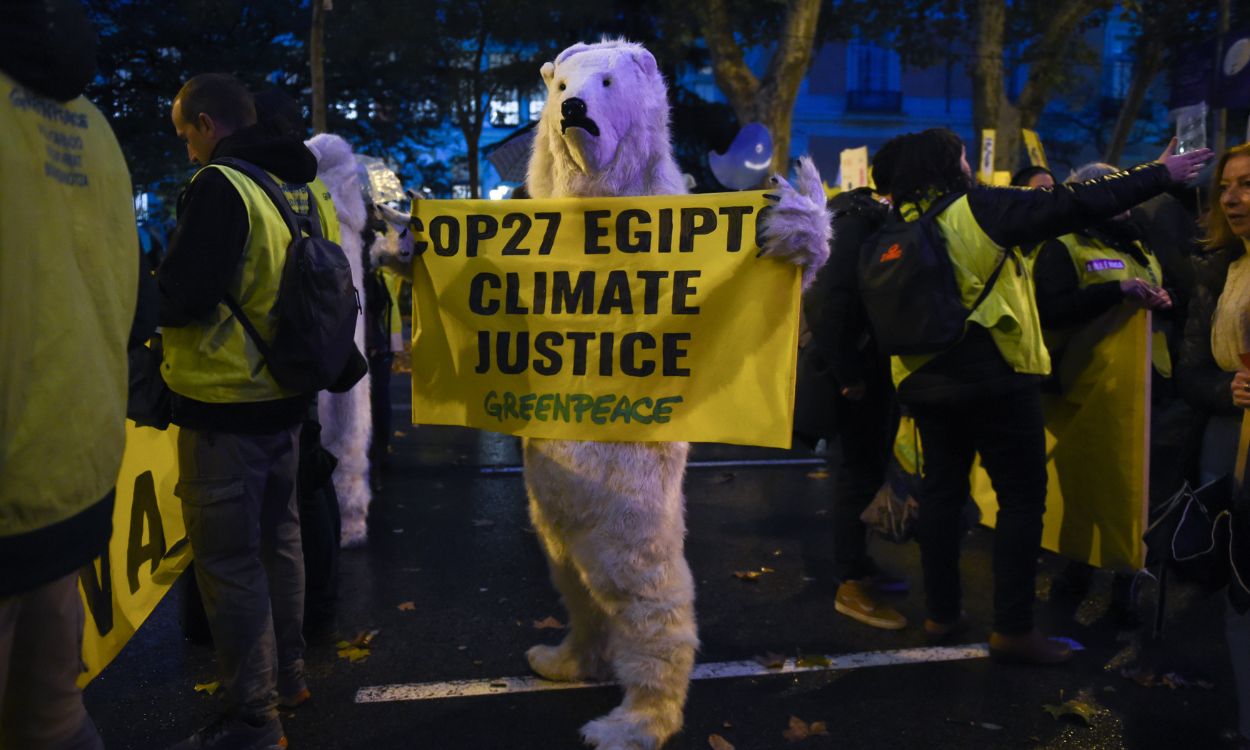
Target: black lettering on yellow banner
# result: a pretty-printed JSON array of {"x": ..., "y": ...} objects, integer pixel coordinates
[
  {"x": 145, "y": 513},
  {"x": 651, "y": 317},
  {"x": 97, "y": 586}
]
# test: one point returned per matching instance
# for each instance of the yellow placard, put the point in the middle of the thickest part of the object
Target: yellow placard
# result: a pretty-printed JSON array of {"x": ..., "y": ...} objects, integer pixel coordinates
[
  {"x": 854, "y": 169},
  {"x": 147, "y": 552},
  {"x": 1097, "y": 443},
  {"x": 612, "y": 319},
  {"x": 1033, "y": 145},
  {"x": 986, "y": 171}
]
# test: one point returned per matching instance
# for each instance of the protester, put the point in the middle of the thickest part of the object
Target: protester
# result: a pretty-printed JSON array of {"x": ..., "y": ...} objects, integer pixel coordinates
[
  {"x": 1034, "y": 176},
  {"x": 847, "y": 394},
  {"x": 239, "y": 437},
  {"x": 982, "y": 394},
  {"x": 69, "y": 272},
  {"x": 1212, "y": 373},
  {"x": 383, "y": 338},
  {"x": 1081, "y": 277}
]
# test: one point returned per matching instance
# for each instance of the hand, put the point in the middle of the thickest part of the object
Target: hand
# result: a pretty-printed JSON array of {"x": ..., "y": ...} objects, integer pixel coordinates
[
  {"x": 854, "y": 392},
  {"x": 1183, "y": 167},
  {"x": 1138, "y": 291},
  {"x": 1160, "y": 299},
  {"x": 1241, "y": 389}
]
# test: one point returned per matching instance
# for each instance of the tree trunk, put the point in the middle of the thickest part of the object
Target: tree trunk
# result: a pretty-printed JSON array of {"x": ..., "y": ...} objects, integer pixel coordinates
[
  {"x": 1144, "y": 73},
  {"x": 316, "y": 61},
  {"x": 987, "y": 77},
  {"x": 768, "y": 100}
]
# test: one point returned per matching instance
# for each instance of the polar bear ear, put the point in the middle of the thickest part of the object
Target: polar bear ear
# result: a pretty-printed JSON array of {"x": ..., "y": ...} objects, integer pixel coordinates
[
  {"x": 548, "y": 70},
  {"x": 645, "y": 61}
]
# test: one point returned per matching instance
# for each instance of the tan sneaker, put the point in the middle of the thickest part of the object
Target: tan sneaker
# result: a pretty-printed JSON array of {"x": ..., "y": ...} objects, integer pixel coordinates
[{"x": 856, "y": 602}]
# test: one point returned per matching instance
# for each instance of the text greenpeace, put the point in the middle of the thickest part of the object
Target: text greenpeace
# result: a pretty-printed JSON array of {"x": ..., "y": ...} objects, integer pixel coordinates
[{"x": 617, "y": 319}]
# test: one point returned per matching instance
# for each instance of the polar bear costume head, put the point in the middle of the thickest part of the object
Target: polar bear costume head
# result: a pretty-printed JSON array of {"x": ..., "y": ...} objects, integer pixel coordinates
[{"x": 604, "y": 129}]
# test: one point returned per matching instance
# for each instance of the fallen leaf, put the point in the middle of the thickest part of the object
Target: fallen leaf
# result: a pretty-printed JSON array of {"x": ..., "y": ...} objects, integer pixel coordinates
[
  {"x": 776, "y": 553},
  {"x": 716, "y": 742},
  {"x": 771, "y": 660},
  {"x": 799, "y": 730},
  {"x": 548, "y": 623},
  {"x": 407, "y": 607},
  {"x": 812, "y": 660},
  {"x": 353, "y": 653},
  {"x": 767, "y": 570},
  {"x": 400, "y": 433},
  {"x": 483, "y": 522},
  {"x": 207, "y": 687},
  {"x": 989, "y": 726},
  {"x": 818, "y": 474},
  {"x": 1078, "y": 708},
  {"x": 747, "y": 575}
]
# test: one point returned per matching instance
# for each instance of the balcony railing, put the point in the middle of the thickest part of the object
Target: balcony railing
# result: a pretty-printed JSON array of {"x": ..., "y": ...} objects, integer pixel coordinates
[{"x": 880, "y": 102}]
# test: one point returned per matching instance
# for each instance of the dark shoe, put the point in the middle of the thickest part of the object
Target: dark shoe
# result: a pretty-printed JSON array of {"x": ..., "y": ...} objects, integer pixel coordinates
[
  {"x": 942, "y": 632},
  {"x": 856, "y": 602},
  {"x": 1028, "y": 648},
  {"x": 225, "y": 733}
]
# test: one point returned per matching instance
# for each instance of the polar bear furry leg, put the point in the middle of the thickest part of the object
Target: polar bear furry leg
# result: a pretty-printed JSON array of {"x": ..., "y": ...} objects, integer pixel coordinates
[
  {"x": 611, "y": 519},
  {"x": 347, "y": 418}
]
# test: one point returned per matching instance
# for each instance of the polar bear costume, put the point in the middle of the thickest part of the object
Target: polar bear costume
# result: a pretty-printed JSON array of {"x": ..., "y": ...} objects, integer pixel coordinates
[
  {"x": 346, "y": 418},
  {"x": 610, "y": 516}
]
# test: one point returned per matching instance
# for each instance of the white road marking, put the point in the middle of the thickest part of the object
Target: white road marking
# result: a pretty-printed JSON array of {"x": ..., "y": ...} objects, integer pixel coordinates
[
  {"x": 424, "y": 691},
  {"x": 726, "y": 464}
]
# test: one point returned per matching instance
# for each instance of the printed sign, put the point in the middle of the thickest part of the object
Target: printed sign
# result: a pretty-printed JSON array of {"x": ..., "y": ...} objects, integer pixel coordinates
[
  {"x": 854, "y": 172},
  {"x": 614, "y": 319},
  {"x": 147, "y": 552},
  {"x": 987, "y": 157},
  {"x": 1033, "y": 145}
]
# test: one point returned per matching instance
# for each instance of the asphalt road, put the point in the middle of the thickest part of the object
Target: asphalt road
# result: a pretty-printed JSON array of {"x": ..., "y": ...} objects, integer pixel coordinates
[{"x": 454, "y": 583}]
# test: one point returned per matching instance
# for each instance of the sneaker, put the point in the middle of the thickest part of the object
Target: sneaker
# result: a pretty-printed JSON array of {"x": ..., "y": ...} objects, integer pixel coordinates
[
  {"x": 225, "y": 733},
  {"x": 854, "y": 600},
  {"x": 1028, "y": 648},
  {"x": 294, "y": 700}
]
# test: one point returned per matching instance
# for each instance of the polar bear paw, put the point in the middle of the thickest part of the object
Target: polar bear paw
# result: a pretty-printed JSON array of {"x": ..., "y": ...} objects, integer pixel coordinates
[
  {"x": 632, "y": 729},
  {"x": 796, "y": 227},
  {"x": 563, "y": 663}
]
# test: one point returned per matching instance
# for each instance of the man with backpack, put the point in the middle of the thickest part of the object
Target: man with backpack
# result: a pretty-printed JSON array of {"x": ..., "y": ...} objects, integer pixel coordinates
[
  {"x": 845, "y": 384},
  {"x": 240, "y": 419},
  {"x": 948, "y": 293}
]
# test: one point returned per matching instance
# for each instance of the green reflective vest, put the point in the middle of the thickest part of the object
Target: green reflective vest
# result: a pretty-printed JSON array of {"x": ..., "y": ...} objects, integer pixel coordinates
[
  {"x": 1097, "y": 262},
  {"x": 213, "y": 359},
  {"x": 1009, "y": 312},
  {"x": 69, "y": 274}
]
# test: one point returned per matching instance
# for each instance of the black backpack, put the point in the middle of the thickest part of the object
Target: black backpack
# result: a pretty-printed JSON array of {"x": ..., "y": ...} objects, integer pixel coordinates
[
  {"x": 314, "y": 346},
  {"x": 908, "y": 285}
]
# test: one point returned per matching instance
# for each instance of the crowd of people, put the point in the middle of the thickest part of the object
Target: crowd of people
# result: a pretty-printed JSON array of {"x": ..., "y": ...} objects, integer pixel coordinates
[{"x": 1033, "y": 263}]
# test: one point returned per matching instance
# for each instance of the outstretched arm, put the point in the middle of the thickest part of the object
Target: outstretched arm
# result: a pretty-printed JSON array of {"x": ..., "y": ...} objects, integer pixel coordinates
[
  {"x": 1012, "y": 216},
  {"x": 796, "y": 228}
]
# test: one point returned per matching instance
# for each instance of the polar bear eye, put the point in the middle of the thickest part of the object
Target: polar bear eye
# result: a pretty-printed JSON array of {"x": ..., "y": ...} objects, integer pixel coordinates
[
  {"x": 562, "y": 87},
  {"x": 607, "y": 82}
]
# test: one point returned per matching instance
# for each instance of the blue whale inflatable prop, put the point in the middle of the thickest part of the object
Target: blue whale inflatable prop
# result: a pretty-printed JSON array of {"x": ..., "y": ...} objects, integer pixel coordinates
[{"x": 747, "y": 161}]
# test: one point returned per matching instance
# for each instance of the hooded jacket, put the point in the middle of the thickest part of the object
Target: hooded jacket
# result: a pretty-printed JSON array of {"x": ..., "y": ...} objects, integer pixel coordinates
[{"x": 205, "y": 254}]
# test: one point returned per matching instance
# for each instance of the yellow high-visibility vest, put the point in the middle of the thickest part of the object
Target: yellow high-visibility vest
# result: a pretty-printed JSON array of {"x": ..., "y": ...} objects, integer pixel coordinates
[
  {"x": 1008, "y": 312},
  {"x": 214, "y": 360},
  {"x": 69, "y": 271}
]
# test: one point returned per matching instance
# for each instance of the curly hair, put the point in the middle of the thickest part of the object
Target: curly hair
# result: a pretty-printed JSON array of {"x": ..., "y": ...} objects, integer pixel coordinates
[
  {"x": 928, "y": 163},
  {"x": 1219, "y": 232}
]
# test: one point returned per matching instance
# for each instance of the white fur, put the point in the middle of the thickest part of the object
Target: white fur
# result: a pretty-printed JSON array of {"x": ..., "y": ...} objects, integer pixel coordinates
[
  {"x": 346, "y": 418},
  {"x": 611, "y": 515}
]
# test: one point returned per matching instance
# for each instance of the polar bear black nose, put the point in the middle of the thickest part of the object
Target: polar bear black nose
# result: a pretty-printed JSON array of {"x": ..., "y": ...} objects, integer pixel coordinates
[{"x": 573, "y": 109}]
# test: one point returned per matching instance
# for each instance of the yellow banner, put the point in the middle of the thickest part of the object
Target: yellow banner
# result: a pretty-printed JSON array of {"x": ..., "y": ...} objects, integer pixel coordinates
[
  {"x": 147, "y": 551},
  {"x": 1097, "y": 441},
  {"x": 612, "y": 319},
  {"x": 1033, "y": 145}
]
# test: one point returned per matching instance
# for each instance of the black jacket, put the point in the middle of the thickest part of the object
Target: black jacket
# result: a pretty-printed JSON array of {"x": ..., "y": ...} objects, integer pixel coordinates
[
  {"x": 205, "y": 255},
  {"x": 1201, "y": 381},
  {"x": 841, "y": 351},
  {"x": 1012, "y": 217}
]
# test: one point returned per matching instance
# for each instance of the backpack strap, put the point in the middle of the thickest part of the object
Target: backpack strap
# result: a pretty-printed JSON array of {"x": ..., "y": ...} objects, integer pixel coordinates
[
  {"x": 940, "y": 205},
  {"x": 271, "y": 189}
]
